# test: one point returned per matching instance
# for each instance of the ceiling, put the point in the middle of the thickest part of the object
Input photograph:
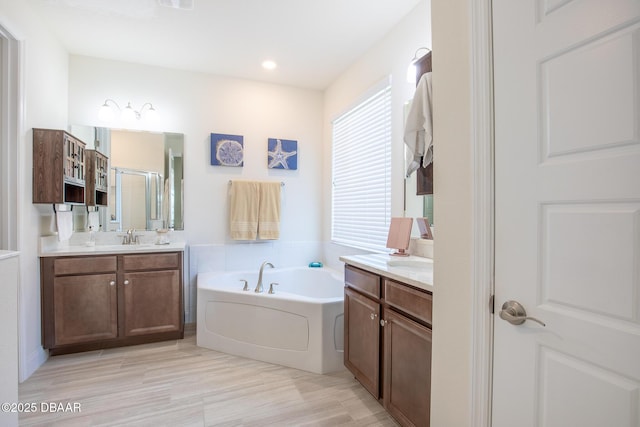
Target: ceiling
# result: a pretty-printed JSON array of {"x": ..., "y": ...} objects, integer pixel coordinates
[{"x": 312, "y": 41}]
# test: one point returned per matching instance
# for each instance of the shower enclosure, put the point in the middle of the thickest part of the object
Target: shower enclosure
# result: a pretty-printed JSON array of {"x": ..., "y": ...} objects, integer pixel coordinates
[{"x": 139, "y": 200}]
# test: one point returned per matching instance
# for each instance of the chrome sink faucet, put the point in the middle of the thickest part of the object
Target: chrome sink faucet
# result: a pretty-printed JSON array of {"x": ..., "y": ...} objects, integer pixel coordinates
[
  {"x": 259, "y": 284},
  {"x": 130, "y": 238}
]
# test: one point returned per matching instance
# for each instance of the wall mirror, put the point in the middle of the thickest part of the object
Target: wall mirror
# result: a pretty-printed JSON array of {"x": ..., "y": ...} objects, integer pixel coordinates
[
  {"x": 146, "y": 179},
  {"x": 415, "y": 205}
]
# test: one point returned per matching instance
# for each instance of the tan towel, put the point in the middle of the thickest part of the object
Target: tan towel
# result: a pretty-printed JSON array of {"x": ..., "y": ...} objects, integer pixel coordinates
[
  {"x": 269, "y": 212},
  {"x": 243, "y": 210}
]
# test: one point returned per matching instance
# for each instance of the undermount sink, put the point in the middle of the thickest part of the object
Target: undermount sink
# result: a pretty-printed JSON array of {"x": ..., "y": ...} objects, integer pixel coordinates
[
  {"x": 121, "y": 248},
  {"x": 409, "y": 262}
]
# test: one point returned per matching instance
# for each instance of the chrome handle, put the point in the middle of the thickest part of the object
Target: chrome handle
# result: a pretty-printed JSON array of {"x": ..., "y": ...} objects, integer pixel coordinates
[
  {"x": 514, "y": 313},
  {"x": 112, "y": 283},
  {"x": 246, "y": 285},
  {"x": 383, "y": 323},
  {"x": 271, "y": 291},
  {"x": 373, "y": 316},
  {"x": 126, "y": 282}
]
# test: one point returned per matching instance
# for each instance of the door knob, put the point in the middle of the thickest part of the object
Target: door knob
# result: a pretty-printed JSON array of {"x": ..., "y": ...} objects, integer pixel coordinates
[{"x": 514, "y": 313}]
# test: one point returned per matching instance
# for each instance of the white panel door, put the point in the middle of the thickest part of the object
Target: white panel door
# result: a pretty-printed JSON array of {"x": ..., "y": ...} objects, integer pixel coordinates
[{"x": 567, "y": 171}]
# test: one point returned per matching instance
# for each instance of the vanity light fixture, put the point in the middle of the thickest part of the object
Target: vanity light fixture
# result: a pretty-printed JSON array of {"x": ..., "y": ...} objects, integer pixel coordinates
[
  {"x": 107, "y": 112},
  {"x": 411, "y": 71}
]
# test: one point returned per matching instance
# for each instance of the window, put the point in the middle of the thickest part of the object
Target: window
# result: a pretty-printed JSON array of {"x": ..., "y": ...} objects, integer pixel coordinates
[{"x": 361, "y": 198}]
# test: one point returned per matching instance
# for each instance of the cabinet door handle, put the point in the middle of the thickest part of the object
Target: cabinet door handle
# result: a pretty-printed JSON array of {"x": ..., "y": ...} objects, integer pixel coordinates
[
  {"x": 112, "y": 283},
  {"x": 126, "y": 282},
  {"x": 373, "y": 316},
  {"x": 383, "y": 322}
]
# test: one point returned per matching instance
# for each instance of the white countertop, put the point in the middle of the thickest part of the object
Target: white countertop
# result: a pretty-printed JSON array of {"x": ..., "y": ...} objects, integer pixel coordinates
[
  {"x": 110, "y": 249},
  {"x": 416, "y": 271}
]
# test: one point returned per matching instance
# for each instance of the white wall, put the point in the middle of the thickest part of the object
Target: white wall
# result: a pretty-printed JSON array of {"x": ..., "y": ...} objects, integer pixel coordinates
[
  {"x": 453, "y": 173},
  {"x": 197, "y": 105},
  {"x": 45, "y": 65},
  {"x": 389, "y": 57}
]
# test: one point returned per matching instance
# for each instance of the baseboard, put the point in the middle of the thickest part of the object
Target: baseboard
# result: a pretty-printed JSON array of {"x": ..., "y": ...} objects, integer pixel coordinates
[{"x": 34, "y": 360}]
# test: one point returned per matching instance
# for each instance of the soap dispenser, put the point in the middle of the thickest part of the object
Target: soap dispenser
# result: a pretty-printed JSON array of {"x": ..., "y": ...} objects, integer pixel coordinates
[{"x": 92, "y": 237}]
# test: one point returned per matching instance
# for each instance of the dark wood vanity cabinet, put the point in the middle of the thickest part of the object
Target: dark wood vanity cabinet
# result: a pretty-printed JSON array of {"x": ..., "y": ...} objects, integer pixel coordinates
[
  {"x": 84, "y": 296},
  {"x": 101, "y": 301},
  {"x": 362, "y": 328},
  {"x": 388, "y": 343},
  {"x": 362, "y": 340},
  {"x": 58, "y": 167},
  {"x": 152, "y": 294},
  {"x": 407, "y": 369}
]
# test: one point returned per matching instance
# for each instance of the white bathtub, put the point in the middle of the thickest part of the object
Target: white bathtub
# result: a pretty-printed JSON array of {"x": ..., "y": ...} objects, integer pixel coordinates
[{"x": 301, "y": 325}]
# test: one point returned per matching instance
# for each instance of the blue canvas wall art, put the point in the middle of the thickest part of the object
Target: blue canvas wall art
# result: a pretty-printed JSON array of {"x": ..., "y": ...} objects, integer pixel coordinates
[
  {"x": 282, "y": 154},
  {"x": 227, "y": 150}
]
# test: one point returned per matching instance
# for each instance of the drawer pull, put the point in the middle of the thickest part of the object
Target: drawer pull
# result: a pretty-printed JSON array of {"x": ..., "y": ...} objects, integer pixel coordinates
[
  {"x": 126, "y": 282},
  {"x": 383, "y": 322},
  {"x": 373, "y": 316},
  {"x": 112, "y": 283}
]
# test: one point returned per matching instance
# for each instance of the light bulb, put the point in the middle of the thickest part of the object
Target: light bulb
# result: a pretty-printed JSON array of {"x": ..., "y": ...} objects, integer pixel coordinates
[
  {"x": 411, "y": 72},
  {"x": 106, "y": 113},
  {"x": 152, "y": 114},
  {"x": 269, "y": 65}
]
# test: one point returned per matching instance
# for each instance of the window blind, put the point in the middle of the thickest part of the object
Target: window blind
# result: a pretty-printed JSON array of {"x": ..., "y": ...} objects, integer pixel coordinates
[{"x": 361, "y": 196}]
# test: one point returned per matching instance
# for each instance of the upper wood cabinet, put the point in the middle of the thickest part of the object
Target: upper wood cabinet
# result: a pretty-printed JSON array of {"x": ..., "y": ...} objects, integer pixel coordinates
[
  {"x": 58, "y": 167},
  {"x": 97, "y": 178}
]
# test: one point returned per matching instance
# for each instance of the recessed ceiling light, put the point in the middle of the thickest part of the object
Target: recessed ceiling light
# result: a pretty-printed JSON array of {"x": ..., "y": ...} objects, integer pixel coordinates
[{"x": 269, "y": 64}]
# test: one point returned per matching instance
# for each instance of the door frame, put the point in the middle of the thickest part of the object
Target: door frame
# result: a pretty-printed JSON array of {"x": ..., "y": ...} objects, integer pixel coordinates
[
  {"x": 12, "y": 119},
  {"x": 483, "y": 216}
]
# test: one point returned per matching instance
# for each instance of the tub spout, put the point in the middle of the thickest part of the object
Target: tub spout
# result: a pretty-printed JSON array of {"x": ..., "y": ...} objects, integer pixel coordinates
[{"x": 259, "y": 284}]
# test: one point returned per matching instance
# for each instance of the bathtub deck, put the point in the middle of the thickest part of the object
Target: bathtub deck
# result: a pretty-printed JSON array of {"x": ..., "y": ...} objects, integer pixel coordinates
[{"x": 176, "y": 383}]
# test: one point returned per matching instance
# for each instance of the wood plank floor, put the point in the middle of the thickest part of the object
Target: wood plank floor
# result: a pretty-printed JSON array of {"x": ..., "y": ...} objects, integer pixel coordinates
[{"x": 176, "y": 383}]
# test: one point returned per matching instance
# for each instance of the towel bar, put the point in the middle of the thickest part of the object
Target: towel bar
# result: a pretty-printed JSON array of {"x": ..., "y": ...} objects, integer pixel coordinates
[{"x": 281, "y": 183}]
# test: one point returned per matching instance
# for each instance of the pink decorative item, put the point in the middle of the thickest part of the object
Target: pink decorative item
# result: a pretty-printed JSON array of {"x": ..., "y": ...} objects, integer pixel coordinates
[{"x": 399, "y": 235}]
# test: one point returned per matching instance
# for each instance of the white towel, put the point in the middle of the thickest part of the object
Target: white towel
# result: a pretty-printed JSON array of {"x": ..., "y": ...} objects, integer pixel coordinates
[
  {"x": 93, "y": 221},
  {"x": 418, "y": 131},
  {"x": 64, "y": 222}
]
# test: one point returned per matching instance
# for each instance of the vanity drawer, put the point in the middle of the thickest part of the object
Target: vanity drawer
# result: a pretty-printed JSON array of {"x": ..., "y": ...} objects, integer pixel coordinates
[
  {"x": 84, "y": 265},
  {"x": 365, "y": 282},
  {"x": 158, "y": 261},
  {"x": 411, "y": 301}
]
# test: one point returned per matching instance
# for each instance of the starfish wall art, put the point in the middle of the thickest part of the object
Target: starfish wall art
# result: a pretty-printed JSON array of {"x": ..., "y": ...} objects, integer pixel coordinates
[{"x": 282, "y": 154}]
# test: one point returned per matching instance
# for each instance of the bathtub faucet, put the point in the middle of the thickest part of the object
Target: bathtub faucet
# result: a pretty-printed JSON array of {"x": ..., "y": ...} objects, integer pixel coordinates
[{"x": 259, "y": 285}]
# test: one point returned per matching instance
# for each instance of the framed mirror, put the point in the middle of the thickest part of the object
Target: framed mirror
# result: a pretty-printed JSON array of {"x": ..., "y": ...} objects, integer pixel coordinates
[{"x": 146, "y": 179}]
